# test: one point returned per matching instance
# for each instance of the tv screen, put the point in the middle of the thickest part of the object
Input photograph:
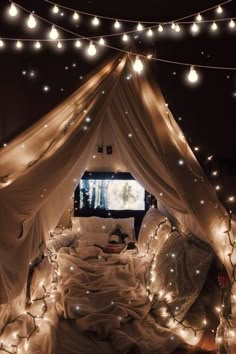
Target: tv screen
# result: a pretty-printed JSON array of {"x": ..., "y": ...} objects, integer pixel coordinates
[{"x": 109, "y": 194}]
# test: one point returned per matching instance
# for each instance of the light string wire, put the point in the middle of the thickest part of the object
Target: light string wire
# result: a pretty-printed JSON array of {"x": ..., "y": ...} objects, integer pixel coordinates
[
  {"x": 78, "y": 36},
  {"x": 137, "y": 21}
]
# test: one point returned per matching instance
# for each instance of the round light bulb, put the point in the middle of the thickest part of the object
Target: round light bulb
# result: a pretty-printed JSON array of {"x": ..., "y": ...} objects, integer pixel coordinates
[
  {"x": 150, "y": 32},
  {"x": 173, "y": 25},
  {"x": 194, "y": 28},
  {"x": 19, "y": 45},
  {"x": 37, "y": 45},
  {"x": 13, "y": 10},
  {"x": 75, "y": 16},
  {"x": 117, "y": 24},
  {"x": 177, "y": 28},
  {"x": 78, "y": 44},
  {"x": 31, "y": 23},
  {"x": 219, "y": 10},
  {"x": 139, "y": 27},
  {"x": 91, "y": 49},
  {"x": 53, "y": 33},
  {"x": 101, "y": 41},
  {"x": 199, "y": 17},
  {"x": 138, "y": 65},
  {"x": 59, "y": 45},
  {"x": 125, "y": 38},
  {"x": 231, "y": 23},
  {"x": 214, "y": 26},
  {"x": 95, "y": 21},
  {"x": 1, "y": 43},
  {"x": 55, "y": 9},
  {"x": 192, "y": 76},
  {"x": 160, "y": 28}
]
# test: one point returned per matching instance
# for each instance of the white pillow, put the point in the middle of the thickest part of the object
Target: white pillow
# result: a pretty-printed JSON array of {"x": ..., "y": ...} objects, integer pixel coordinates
[
  {"x": 81, "y": 225},
  {"x": 96, "y": 238},
  {"x": 153, "y": 220},
  {"x": 64, "y": 239}
]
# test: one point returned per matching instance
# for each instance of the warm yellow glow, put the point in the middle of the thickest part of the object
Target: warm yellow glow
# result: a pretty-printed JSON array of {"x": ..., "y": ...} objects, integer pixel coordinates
[
  {"x": 192, "y": 76},
  {"x": 219, "y": 10},
  {"x": 231, "y": 23},
  {"x": 75, "y": 16},
  {"x": 199, "y": 17},
  {"x": 95, "y": 21},
  {"x": 138, "y": 65},
  {"x": 150, "y": 32},
  {"x": 31, "y": 23},
  {"x": 59, "y": 45},
  {"x": 101, "y": 41},
  {"x": 177, "y": 28},
  {"x": 91, "y": 49},
  {"x": 19, "y": 45},
  {"x": 37, "y": 45},
  {"x": 55, "y": 9},
  {"x": 194, "y": 28},
  {"x": 139, "y": 27},
  {"x": 13, "y": 10},
  {"x": 117, "y": 24},
  {"x": 125, "y": 38},
  {"x": 78, "y": 43},
  {"x": 1, "y": 43},
  {"x": 173, "y": 26},
  {"x": 214, "y": 26},
  {"x": 53, "y": 34},
  {"x": 160, "y": 28}
]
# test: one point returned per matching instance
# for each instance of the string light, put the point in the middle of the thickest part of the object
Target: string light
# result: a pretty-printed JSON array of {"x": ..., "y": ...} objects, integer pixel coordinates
[
  {"x": 117, "y": 25},
  {"x": 19, "y": 45},
  {"x": 101, "y": 41},
  {"x": 231, "y": 23},
  {"x": 13, "y": 11},
  {"x": 160, "y": 28},
  {"x": 173, "y": 26},
  {"x": 91, "y": 49},
  {"x": 139, "y": 27},
  {"x": 75, "y": 16},
  {"x": 177, "y": 28},
  {"x": 95, "y": 21},
  {"x": 1, "y": 43},
  {"x": 199, "y": 17},
  {"x": 214, "y": 26},
  {"x": 37, "y": 45},
  {"x": 219, "y": 10},
  {"x": 59, "y": 45},
  {"x": 150, "y": 32},
  {"x": 195, "y": 28},
  {"x": 53, "y": 34},
  {"x": 31, "y": 23},
  {"x": 125, "y": 38},
  {"x": 138, "y": 65},
  {"x": 78, "y": 43},
  {"x": 55, "y": 9},
  {"x": 192, "y": 76}
]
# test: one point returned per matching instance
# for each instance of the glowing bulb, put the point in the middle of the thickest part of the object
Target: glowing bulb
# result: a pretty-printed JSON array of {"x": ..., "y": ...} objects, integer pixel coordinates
[
  {"x": 95, "y": 21},
  {"x": 192, "y": 76},
  {"x": 138, "y": 65},
  {"x": 139, "y": 27},
  {"x": 59, "y": 45},
  {"x": 55, "y": 9},
  {"x": 219, "y": 10},
  {"x": 37, "y": 45},
  {"x": 13, "y": 10},
  {"x": 194, "y": 28},
  {"x": 1, "y": 43},
  {"x": 160, "y": 28},
  {"x": 75, "y": 16},
  {"x": 199, "y": 17},
  {"x": 91, "y": 49},
  {"x": 125, "y": 38},
  {"x": 214, "y": 26},
  {"x": 53, "y": 33},
  {"x": 231, "y": 199},
  {"x": 173, "y": 26},
  {"x": 101, "y": 41},
  {"x": 19, "y": 45},
  {"x": 177, "y": 28},
  {"x": 150, "y": 32},
  {"x": 31, "y": 23},
  {"x": 231, "y": 23},
  {"x": 117, "y": 24},
  {"x": 78, "y": 43}
]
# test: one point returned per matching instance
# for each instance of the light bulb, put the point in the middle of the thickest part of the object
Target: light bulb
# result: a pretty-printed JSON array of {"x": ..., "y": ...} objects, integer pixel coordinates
[
  {"x": 91, "y": 49},
  {"x": 194, "y": 28},
  {"x": 53, "y": 33},
  {"x": 101, "y": 41},
  {"x": 59, "y": 45},
  {"x": 160, "y": 28},
  {"x": 55, "y": 9},
  {"x": 78, "y": 44},
  {"x": 214, "y": 26},
  {"x": 95, "y": 21},
  {"x": 75, "y": 16},
  {"x": 199, "y": 17},
  {"x": 19, "y": 45},
  {"x": 117, "y": 24},
  {"x": 150, "y": 32},
  {"x": 139, "y": 27},
  {"x": 13, "y": 10},
  {"x": 1, "y": 43},
  {"x": 177, "y": 28},
  {"x": 125, "y": 38},
  {"x": 37, "y": 45},
  {"x": 173, "y": 25},
  {"x": 31, "y": 23},
  {"x": 231, "y": 23},
  {"x": 192, "y": 76},
  {"x": 219, "y": 10},
  {"x": 138, "y": 65}
]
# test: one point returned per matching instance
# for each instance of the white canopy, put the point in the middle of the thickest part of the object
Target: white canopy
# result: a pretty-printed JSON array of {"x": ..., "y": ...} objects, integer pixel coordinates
[{"x": 40, "y": 169}]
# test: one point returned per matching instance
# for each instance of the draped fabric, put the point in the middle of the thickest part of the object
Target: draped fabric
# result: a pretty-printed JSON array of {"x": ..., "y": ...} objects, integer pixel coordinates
[{"x": 40, "y": 169}]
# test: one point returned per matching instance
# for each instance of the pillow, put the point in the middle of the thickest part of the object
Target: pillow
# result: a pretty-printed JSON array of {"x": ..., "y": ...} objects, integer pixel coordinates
[
  {"x": 151, "y": 221},
  {"x": 81, "y": 225},
  {"x": 96, "y": 238},
  {"x": 64, "y": 239}
]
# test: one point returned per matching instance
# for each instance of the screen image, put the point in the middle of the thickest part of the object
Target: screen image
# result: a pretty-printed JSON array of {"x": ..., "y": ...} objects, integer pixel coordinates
[{"x": 111, "y": 194}]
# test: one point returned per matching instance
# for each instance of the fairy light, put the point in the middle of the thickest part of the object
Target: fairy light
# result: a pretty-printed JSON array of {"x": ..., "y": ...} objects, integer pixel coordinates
[
  {"x": 91, "y": 50},
  {"x": 150, "y": 32},
  {"x": 19, "y": 45},
  {"x": 139, "y": 27},
  {"x": 1, "y": 43},
  {"x": 160, "y": 28},
  {"x": 195, "y": 28},
  {"x": 13, "y": 11},
  {"x": 78, "y": 43},
  {"x": 177, "y": 28},
  {"x": 101, "y": 41},
  {"x": 138, "y": 65},
  {"x": 199, "y": 17},
  {"x": 231, "y": 23},
  {"x": 219, "y": 10},
  {"x": 53, "y": 34},
  {"x": 31, "y": 22},
  {"x": 125, "y": 38},
  {"x": 192, "y": 76},
  {"x": 173, "y": 25},
  {"x": 59, "y": 45},
  {"x": 95, "y": 21},
  {"x": 214, "y": 26},
  {"x": 55, "y": 9},
  {"x": 37, "y": 45},
  {"x": 117, "y": 25},
  {"x": 75, "y": 16}
]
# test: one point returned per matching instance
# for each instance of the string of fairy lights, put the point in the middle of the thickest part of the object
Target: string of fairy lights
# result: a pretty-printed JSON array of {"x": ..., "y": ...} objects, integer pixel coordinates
[{"x": 92, "y": 42}]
